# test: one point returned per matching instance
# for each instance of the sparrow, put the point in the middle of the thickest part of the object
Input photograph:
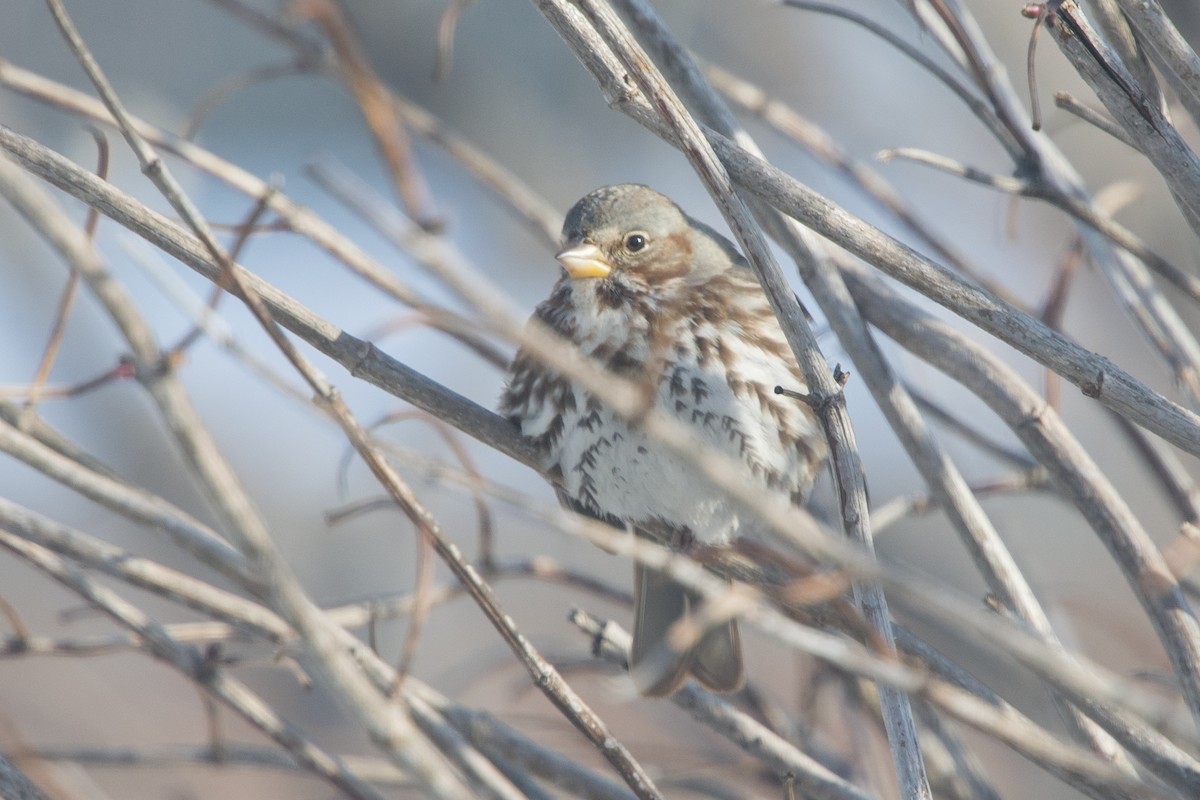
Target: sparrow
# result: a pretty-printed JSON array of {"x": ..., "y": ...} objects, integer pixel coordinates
[{"x": 659, "y": 298}]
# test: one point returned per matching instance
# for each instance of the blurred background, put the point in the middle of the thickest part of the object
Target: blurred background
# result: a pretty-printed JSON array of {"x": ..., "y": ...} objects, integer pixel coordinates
[{"x": 517, "y": 93}]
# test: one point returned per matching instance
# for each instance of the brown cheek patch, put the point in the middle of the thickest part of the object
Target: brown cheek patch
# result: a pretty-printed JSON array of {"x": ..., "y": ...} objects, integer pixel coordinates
[{"x": 671, "y": 259}]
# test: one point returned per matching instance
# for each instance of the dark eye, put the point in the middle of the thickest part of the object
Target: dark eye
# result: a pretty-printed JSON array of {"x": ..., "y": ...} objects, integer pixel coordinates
[{"x": 635, "y": 242}]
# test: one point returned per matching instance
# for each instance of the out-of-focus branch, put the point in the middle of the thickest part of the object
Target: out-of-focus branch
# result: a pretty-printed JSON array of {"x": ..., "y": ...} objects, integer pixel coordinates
[
  {"x": 797, "y": 526},
  {"x": 361, "y": 358},
  {"x": 547, "y": 676},
  {"x": 1131, "y": 283},
  {"x": 795, "y": 597},
  {"x": 390, "y": 727},
  {"x": 100, "y": 486},
  {"x": 15, "y": 785},
  {"x": 375, "y": 770},
  {"x": 812, "y": 778},
  {"x": 354, "y": 353},
  {"x": 1051, "y": 443},
  {"x": 192, "y": 663},
  {"x": 265, "y": 568},
  {"x": 821, "y": 144},
  {"x": 1097, "y": 376},
  {"x": 297, "y": 217},
  {"x": 374, "y": 102},
  {"x": 824, "y": 390},
  {"x": 1087, "y": 213},
  {"x": 946, "y": 482}
]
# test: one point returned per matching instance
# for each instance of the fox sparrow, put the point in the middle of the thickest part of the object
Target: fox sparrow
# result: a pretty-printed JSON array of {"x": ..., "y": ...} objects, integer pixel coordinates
[{"x": 656, "y": 296}]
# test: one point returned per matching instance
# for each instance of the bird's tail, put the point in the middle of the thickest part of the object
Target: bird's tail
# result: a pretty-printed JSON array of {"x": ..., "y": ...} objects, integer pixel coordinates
[{"x": 658, "y": 669}]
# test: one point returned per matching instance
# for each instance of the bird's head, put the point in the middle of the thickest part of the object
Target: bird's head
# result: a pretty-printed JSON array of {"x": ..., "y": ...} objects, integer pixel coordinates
[{"x": 634, "y": 231}]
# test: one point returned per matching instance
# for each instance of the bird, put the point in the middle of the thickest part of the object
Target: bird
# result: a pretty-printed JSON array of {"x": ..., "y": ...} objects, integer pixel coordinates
[{"x": 659, "y": 298}]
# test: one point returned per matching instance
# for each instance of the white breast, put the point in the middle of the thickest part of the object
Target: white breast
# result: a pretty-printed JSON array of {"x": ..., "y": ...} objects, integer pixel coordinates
[{"x": 611, "y": 467}]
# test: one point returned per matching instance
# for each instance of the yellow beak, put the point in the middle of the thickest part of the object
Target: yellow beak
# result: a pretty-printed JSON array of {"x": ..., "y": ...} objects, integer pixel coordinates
[{"x": 584, "y": 260}]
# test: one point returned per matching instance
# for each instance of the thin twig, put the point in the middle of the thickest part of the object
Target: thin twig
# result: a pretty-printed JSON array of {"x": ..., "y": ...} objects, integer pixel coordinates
[
  {"x": 392, "y": 729},
  {"x": 797, "y": 526},
  {"x": 826, "y": 399},
  {"x": 817, "y": 781},
  {"x": 375, "y": 103},
  {"x": 192, "y": 663},
  {"x": 1048, "y": 440},
  {"x": 296, "y": 217}
]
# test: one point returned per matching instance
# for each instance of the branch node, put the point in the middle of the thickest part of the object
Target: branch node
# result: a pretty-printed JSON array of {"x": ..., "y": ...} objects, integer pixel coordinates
[{"x": 1093, "y": 388}]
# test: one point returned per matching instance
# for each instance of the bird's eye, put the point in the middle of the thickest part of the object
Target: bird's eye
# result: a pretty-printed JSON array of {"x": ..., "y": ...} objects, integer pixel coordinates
[{"x": 635, "y": 242}]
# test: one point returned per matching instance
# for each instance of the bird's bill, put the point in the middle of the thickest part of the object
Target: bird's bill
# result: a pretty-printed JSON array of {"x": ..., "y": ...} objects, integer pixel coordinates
[{"x": 583, "y": 260}]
